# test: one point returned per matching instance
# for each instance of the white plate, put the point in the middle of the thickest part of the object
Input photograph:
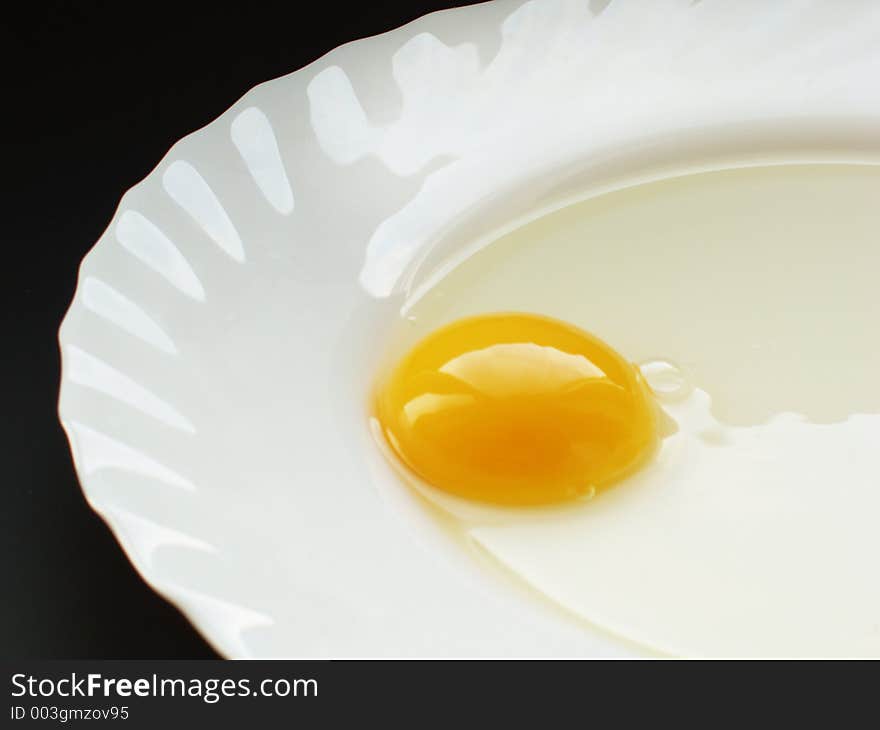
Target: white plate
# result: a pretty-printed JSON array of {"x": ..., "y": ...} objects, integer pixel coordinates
[{"x": 223, "y": 333}]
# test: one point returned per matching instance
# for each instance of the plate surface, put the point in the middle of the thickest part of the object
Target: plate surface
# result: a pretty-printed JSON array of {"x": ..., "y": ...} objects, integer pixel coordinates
[{"x": 225, "y": 327}]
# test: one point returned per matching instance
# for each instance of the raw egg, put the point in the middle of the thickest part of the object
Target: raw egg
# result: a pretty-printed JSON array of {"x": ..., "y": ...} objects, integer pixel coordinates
[
  {"x": 749, "y": 298},
  {"x": 516, "y": 409}
]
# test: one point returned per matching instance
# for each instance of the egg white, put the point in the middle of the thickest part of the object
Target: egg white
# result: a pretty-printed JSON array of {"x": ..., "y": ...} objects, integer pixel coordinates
[{"x": 753, "y": 531}]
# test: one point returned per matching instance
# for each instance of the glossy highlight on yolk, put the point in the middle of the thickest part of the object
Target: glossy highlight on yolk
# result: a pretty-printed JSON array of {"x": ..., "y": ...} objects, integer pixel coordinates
[{"x": 516, "y": 409}]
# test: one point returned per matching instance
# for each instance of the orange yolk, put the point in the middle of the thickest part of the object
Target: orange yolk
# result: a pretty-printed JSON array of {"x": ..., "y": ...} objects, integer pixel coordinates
[{"x": 516, "y": 409}]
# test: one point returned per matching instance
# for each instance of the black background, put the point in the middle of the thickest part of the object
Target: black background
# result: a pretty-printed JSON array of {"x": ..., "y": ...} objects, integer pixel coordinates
[{"x": 94, "y": 94}]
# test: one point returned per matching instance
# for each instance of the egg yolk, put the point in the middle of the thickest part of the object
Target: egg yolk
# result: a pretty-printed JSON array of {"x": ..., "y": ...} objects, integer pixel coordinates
[{"x": 516, "y": 409}]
